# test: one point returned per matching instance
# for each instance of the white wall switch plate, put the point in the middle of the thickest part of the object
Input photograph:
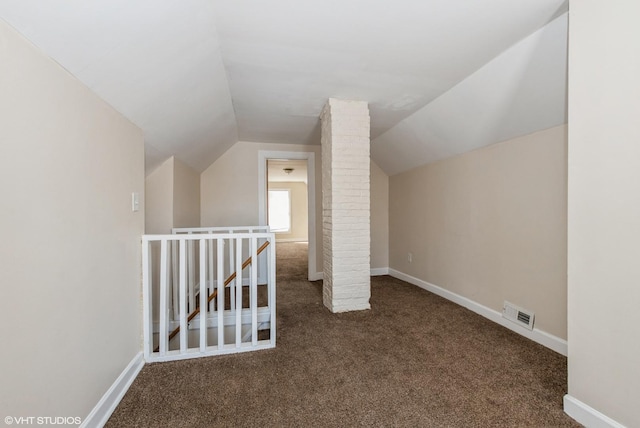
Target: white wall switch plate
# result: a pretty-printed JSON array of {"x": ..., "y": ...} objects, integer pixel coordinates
[{"x": 135, "y": 201}]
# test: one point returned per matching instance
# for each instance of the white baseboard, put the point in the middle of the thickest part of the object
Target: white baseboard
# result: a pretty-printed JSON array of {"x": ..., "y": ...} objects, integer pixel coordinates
[
  {"x": 290, "y": 240},
  {"x": 379, "y": 271},
  {"x": 550, "y": 341},
  {"x": 587, "y": 415},
  {"x": 110, "y": 400},
  {"x": 374, "y": 272},
  {"x": 317, "y": 277}
]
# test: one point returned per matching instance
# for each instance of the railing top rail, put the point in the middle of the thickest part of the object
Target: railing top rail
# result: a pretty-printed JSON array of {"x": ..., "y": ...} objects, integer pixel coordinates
[
  {"x": 219, "y": 229},
  {"x": 199, "y": 236}
]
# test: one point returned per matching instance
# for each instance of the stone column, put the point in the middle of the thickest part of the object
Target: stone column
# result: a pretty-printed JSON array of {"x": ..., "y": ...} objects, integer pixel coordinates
[{"x": 346, "y": 205}]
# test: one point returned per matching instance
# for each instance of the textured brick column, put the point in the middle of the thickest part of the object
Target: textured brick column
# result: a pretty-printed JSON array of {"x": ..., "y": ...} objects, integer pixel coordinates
[{"x": 345, "y": 205}]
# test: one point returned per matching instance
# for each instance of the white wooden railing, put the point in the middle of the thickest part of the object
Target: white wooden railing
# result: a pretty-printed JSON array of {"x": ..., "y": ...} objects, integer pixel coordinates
[
  {"x": 230, "y": 260},
  {"x": 199, "y": 268}
]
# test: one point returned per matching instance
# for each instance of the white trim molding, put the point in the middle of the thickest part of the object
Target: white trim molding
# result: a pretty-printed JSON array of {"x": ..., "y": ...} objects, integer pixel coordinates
[
  {"x": 379, "y": 271},
  {"x": 587, "y": 415},
  {"x": 550, "y": 341},
  {"x": 110, "y": 400}
]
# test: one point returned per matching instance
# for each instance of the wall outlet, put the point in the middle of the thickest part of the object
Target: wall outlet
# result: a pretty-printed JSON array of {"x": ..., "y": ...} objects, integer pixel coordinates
[{"x": 409, "y": 257}]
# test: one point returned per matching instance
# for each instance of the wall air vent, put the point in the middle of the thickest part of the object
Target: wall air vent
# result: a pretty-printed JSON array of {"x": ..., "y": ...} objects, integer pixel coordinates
[{"x": 518, "y": 315}]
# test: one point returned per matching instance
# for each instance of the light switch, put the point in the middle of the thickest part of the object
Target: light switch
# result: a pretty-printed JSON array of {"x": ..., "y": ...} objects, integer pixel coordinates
[{"x": 135, "y": 201}]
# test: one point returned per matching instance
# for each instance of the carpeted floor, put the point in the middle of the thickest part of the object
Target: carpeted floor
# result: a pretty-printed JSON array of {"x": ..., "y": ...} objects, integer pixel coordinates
[{"x": 414, "y": 359}]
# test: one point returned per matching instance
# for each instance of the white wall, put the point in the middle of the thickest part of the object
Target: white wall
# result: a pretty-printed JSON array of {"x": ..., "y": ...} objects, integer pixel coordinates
[
  {"x": 172, "y": 199},
  {"x": 489, "y": 225},
  {"x": 604, "y": 208},
  {"x": 186, "y": 195},
  {"x": 159, "y": 199},
  {"x": 70, "y": 249},
  {"x": 379, "y": 217}
]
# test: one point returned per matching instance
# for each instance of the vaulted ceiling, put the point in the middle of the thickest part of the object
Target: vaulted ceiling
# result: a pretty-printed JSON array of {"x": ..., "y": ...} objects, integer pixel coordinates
[{"x": 441, "y": 76}]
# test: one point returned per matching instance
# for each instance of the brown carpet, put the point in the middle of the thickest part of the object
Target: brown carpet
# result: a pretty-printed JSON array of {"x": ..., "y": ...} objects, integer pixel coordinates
[{"x": 414, "y": 359}]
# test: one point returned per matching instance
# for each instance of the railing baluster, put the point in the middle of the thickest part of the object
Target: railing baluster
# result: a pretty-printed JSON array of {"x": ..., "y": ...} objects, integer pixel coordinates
[
  {"x": 232, "y": 292},
  {"x": 253, "y": 286},
  {"x": 210, "y": 283},
  {"x": 203, "y": 296},
  {"x": 183, "y": 298},
  {"x": 262, "y": 264},
  {"x": 164, "y": 304},
  {"x": 238, "y": 292},
  {"x": 147, "y": 311},
  {"x": 175, "y": 303},
  {"x": 220, "y": 297},
  {"x": 272, "y": 289},
  {"x": 192, "y": 274}
]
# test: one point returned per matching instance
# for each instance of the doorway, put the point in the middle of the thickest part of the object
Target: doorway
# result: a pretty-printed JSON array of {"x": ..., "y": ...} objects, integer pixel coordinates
[
  {"x": 279, "y": 161},
  {"x": 287, "y": 200}
]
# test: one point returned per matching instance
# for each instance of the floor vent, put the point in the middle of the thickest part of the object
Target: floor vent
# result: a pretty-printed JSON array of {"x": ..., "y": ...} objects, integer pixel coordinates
[{"x": 518, "y": 315}]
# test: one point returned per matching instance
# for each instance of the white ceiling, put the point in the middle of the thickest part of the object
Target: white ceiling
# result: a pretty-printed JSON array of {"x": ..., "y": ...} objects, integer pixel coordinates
[
  {"x": 441, "y": 76},
  {"x": 276, "y": 174}
]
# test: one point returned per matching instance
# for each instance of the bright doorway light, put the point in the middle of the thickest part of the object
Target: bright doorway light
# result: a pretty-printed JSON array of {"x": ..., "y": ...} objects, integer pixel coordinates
[{"x": 280, "y": 210}]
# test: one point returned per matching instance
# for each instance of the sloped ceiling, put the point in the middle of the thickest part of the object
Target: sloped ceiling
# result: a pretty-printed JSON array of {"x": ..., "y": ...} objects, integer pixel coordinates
[
  {"x": 441, "y": 76},
  {"x": 521, "y": 91}
]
